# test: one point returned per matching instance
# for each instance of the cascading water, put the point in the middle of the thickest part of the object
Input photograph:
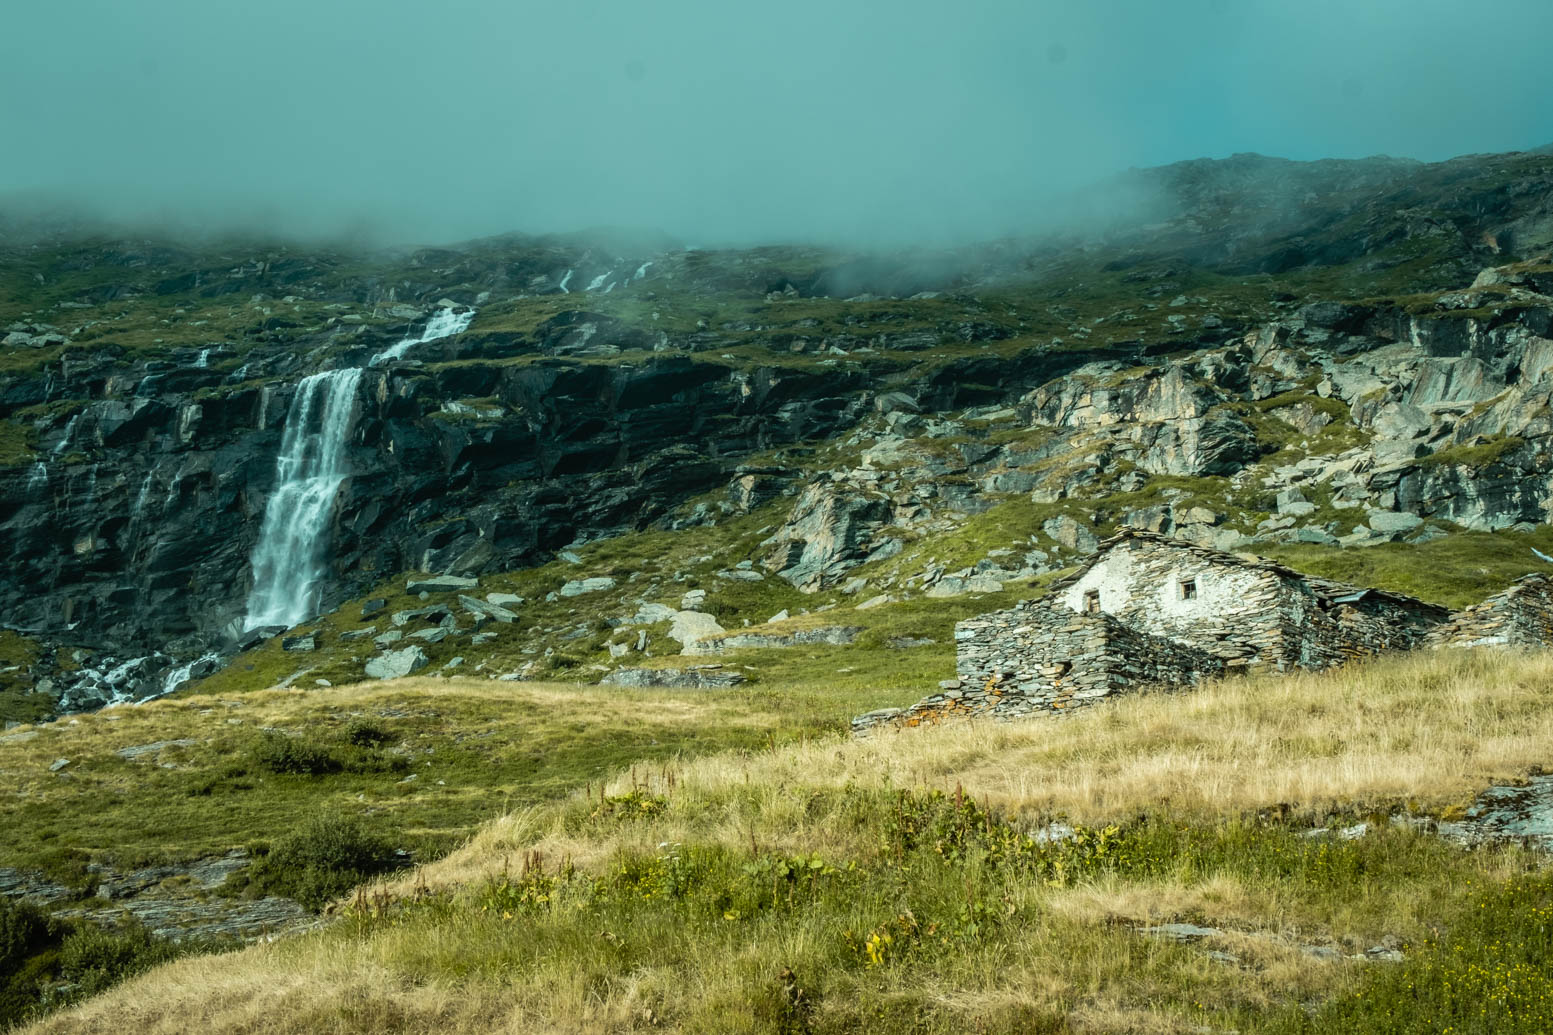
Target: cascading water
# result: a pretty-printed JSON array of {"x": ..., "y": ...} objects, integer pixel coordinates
[
  {"x": 289, "y": 561},
  {"x": 183, "y": 673},
  {"x": 444, "y": 323}
]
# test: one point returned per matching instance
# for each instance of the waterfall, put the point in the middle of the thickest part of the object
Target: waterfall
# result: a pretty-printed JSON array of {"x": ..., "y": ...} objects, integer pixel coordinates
[
  {"x": 444, "y": 323},
  {"x": 289, "y": 561},
  {"x": 182, "y": 674},
  {"x": 39, "y": 479},
  {"x": 64, "y": 440}
]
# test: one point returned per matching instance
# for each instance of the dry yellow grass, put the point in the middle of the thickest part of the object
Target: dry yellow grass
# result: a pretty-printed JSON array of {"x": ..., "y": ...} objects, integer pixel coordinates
[{"x": 1427, "y": 730}]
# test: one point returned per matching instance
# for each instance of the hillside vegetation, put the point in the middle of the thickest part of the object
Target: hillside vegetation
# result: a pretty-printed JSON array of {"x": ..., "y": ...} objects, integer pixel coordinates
[{"x": 972, "y": 877}]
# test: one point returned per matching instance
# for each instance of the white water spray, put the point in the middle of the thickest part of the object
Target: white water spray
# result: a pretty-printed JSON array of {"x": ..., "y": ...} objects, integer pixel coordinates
[
  {"x": 444, "y": 323},
  {"x": 181, "y": 675},
  {"x": 64, "y": 440},
  {"x": 39, "y": 479},
  {"x": 289, "y": 561},
  {"x": 564, "y": 281},
  {"x": 598, "y": 281}
]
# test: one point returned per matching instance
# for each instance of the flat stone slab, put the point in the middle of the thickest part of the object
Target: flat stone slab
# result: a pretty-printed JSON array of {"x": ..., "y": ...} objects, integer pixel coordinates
[
  {"x": 577, "y": 587},
  {"x": 440, "y": 584},
  {"x": 702, "y": 678},
  {"x": 151, "y": 749}
]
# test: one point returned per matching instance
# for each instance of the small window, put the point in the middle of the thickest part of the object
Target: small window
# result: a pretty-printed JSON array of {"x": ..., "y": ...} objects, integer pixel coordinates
[
  {"x": 1188, "y": 589},
  {"x": 1092, "y": 601}
]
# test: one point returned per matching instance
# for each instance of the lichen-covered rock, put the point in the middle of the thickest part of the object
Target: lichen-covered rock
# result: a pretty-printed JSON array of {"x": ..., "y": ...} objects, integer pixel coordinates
[
  {"x": 827, "y": 533},
  {"x": 398, "y": 663}
]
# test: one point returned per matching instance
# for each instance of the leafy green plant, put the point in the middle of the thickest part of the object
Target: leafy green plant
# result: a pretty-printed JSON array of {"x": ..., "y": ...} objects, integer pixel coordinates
[
  {"x": 322, "y": 860},
  {"x": 294, "y": 755},
  {"x": 93, "y": 958},
  {"x": 368, "y": 734}
]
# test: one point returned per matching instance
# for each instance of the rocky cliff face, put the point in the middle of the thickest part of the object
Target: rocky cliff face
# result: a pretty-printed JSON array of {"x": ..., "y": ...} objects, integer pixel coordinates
[{"x": 145, "y": 390}]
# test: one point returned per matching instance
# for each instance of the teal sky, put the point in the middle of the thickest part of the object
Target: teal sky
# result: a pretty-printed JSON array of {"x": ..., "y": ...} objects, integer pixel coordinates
[{"x": 854, "y": 120}]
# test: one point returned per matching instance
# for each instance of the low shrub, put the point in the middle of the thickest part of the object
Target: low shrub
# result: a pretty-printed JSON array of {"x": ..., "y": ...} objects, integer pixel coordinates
[
  {"x": 279, "y": 753},
  {"x": 367, "y": 734},
  {"x": 93, "y": 958},
  {"x": 322, "y": 860}
]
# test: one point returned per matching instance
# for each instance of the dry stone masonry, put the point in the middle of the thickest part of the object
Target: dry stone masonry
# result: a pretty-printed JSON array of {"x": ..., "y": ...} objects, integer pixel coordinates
[
  {"x": 1149, "y": 611},
  {"x": 1521, "y": 616}
]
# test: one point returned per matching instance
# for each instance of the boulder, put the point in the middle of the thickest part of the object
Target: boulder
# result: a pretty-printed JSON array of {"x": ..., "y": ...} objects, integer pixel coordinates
[
  {"x": 299, "y": 643},
  {"x": 397, "y": 663},
  {"x": 435, "y": 612},
  {"x": 1389, "y": 522},
  {"x": 691, "y": 627},
  {"x": 648, "y": 614},
  {"x": 251, "y": 638},
  {"x": 577, "y": 587},
  {"x": 487, "y": 610},
  {"x": 1071, "y": 534},
  {"x": 824, "y": 535}
]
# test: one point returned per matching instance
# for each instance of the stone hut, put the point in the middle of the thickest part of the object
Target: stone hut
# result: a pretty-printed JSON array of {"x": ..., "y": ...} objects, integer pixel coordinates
[
  {"x": 1521, "y": 616},
  {"x": 1149, "y": 610}
]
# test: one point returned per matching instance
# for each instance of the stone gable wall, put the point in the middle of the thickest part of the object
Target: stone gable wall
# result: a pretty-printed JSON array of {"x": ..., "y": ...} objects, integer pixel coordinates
[{"x": 1235, "y": 615}]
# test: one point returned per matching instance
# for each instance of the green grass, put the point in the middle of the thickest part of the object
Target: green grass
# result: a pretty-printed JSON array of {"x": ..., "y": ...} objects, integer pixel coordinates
[
  {"x": 1475, "y": 456},
  {"x": 1488, "y": 968},
  {"x": 17, "y": 445},
  {"x": 944, "y": 896},
  {"x": 1458, "y": 570},
  {"x": 475, "y": 750}
]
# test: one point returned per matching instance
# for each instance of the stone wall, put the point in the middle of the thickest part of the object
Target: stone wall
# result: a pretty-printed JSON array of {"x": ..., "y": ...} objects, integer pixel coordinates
[
  {"x": 1039, "y": 658},
  {"x": 1059, "y": 653},
  {"x": 1248, "y": 613},
  {"x": 1520, "y": 616},
  {"x": 1239, "y": 611},
  {"x": 1322, "y": 632}
]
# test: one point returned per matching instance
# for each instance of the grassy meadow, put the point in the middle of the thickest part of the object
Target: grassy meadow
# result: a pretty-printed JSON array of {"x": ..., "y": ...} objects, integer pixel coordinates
[{"x": 970, "y": 877}]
